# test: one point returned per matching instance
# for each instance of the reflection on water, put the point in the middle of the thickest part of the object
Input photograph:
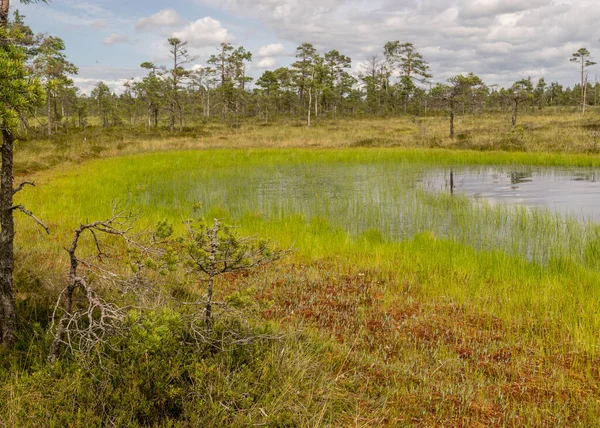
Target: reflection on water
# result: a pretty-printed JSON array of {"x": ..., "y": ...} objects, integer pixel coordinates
[{"x": 572, "y": 191}]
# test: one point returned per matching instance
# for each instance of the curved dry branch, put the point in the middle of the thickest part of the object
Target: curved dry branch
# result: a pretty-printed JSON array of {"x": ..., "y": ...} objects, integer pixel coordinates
[
  {"x": 30, "y": 214},
  {"x": 22, "y": 186}
]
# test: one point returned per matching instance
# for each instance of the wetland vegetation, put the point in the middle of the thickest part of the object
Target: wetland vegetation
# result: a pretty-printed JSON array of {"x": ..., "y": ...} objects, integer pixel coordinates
[
  {"x": 396, "y": 293},
  {"x": 349, "y": 277}
]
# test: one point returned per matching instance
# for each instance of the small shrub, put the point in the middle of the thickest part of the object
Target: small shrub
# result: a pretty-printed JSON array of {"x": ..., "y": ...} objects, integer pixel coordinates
[
  {"x": 513, "y": 141},
  {"x": 158, "y": 375}
]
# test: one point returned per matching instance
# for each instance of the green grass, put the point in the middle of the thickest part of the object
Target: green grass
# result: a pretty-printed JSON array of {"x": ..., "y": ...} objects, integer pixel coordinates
[
  {"x": 433, "y": 310},
  {"x": 540, "y": 266}
]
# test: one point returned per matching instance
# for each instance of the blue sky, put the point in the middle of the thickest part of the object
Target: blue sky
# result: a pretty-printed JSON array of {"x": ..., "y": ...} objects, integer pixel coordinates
[
  {"x": 500, "y": 40},
  {"x": 109, "y": 39}
]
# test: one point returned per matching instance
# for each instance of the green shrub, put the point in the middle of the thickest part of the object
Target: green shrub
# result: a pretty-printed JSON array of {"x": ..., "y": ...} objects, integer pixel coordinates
[{"x": 159, "y": 374}]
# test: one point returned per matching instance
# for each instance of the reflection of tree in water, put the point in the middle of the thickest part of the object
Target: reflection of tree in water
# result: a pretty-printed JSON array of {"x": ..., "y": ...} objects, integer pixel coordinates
[{"x": 520, "y": 177}]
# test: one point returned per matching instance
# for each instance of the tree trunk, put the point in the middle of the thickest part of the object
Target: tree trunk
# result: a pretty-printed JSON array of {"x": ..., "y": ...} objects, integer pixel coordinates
[
  {"x": 515, "y": 112},
  {"x": 209, "y": 295},
  {"x": 62, "y": 110},
  {"x": 4, "y": 8},
  {"x": 452, "y": 120},
  {"x": 212, "y": 272},
  {"x": 309, "y": 106},
  {"x": 208, "y": 104},
  {"x": 74, "y": 282},
  {"x": 180, "y": 120},
  {"x": 65, "y": 113},
  {"x": 8, "y": 312},
  {"x": 582, "y": 85},
  {"x": 584, "y": 95},
  {"x": 172, "y": 118},
  {"x": 49, "y": 111}
]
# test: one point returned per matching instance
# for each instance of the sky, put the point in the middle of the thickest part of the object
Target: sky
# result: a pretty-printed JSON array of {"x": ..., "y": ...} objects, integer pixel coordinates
[{"x": 502, "y": 41}]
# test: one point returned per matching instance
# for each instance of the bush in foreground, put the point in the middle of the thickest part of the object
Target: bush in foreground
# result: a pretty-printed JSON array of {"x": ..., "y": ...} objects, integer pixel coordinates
[{"x": 160, "y": 374}]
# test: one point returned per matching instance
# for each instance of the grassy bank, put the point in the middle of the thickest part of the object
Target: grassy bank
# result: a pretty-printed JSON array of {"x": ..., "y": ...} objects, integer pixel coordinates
[
  {"x": 444, "y": 319},
  {"x": 563, "y": 131}
]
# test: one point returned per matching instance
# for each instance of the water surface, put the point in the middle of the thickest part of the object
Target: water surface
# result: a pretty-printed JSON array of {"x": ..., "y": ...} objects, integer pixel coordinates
[
  {"x": 538, "y": 213},
  {"x": 566, "y": 191}
]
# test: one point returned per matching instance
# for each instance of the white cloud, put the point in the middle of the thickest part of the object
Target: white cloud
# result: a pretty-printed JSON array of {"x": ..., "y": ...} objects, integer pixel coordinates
[
  {"x": 203, "y": 33},
  {"x": 275, "y": 49},
  {"x": 266, "y": 63},
  {"x": 65, "y": 16},
  {"x": 115, "y": 38},
  {"x": 87, "y": 85},
  {"x": 114, "y": 77},
  {"x": 280, "y": 9},
  {"x": 501, "y": 40},
  {"x": 164, "y": 18},
  {"x": 487, "y": 8},
  {"x": 70, "y": 20}
]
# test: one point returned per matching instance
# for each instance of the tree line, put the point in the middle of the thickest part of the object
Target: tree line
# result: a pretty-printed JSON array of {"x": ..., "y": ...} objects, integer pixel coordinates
[
  {"x": 184, "y": 93},
  {"x": 178, "y": 95}
]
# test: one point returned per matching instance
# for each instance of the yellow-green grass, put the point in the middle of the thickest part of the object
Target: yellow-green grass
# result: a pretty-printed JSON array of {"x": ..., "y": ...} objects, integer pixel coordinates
[
  {"x": 436, "y": 327},
  {"x": 484, "y": 247}
]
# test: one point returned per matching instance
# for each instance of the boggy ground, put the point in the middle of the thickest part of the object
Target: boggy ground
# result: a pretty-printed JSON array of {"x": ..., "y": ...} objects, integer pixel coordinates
[
  {"x": 549, "y": 130},
  {"x": 413, "y": 361},
  {"x": 363, "y": 332}
]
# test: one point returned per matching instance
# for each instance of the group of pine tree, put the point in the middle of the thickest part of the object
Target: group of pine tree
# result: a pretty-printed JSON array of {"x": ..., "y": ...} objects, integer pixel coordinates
[{"x": 185, "y": 93}]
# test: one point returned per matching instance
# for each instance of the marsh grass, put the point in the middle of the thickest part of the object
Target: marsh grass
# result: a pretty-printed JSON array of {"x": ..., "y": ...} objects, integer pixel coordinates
[
  {"x": 359, "y": 203},
  {"x": 551, "y": 130},
  {"x": 416, "y": 308}
]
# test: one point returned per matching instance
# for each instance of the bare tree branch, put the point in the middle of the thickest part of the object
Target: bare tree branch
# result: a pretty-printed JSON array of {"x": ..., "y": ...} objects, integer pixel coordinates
[
  {"x": 82, "y": 330},
  {"x": 30, "y": 214},
  {"x": 22, "y": 185}
]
